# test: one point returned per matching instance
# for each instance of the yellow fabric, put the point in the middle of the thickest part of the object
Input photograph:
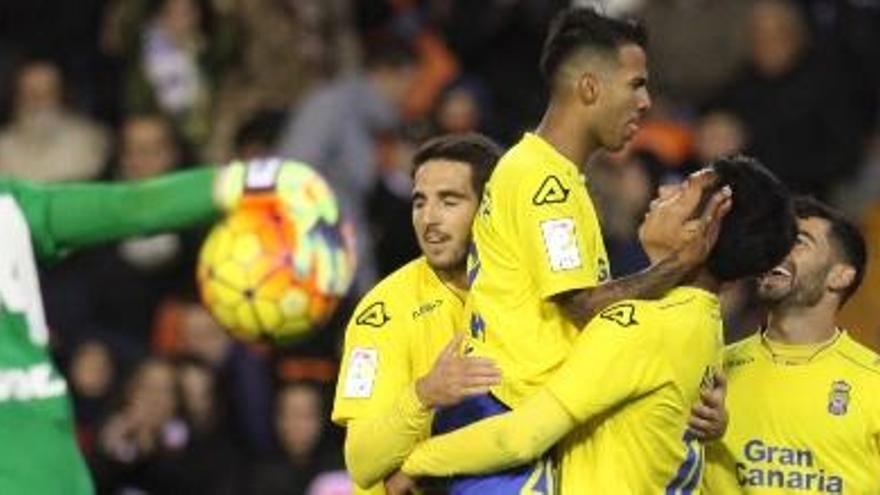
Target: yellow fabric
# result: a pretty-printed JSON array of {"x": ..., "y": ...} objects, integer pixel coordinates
[
  {"x": 495, "y": 443},
  {"x": 814, "y": 425},
  {"x": 536, "y": 235},
  {"x": 631, "y": 380},
  {"x": 400, "y": 326},
  {"x": 630, "y": 383}
]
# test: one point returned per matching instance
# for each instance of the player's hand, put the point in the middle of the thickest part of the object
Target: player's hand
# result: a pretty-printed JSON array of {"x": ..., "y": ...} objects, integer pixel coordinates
[
  {"x": 709, "y": 418},
  {"x": 698, "y": 236},
  {"x": 399, "y": 484},
  {"x": 454, "y": 377}
]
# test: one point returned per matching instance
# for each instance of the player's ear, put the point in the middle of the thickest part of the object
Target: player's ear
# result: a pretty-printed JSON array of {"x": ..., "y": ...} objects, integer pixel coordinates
[
  {"x": 840, "y": 277},
  {"x": 588, "y": 88}
]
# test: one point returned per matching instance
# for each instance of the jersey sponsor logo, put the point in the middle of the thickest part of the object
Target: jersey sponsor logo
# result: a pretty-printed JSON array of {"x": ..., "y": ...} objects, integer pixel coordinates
[
  {"x": 838, "y": 398},
  {"x": 551, "y": 191},
  {"x": 624, "y": 314},
  {"x": 374, "y": 315},
  {"x": 779, "y": 466},
  {"x": 362, "y": 368},
  {"x": 737, "y": 362},
  {"x": 560, "y": 242},
  {"x": 427, "y": 308},
  {"x": 31, "y": 383}
]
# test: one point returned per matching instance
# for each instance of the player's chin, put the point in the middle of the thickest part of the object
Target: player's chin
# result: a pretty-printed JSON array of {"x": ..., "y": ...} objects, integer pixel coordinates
[{"x": 771, "y": 291}]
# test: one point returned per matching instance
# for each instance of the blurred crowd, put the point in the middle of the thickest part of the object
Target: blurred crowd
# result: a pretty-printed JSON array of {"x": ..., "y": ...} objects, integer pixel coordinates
[{"x": 113, "y": 90}]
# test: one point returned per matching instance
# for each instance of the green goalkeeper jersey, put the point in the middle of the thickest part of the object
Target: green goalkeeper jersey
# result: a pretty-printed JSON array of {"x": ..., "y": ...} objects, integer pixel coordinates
[{"x": 38, "y": 451}]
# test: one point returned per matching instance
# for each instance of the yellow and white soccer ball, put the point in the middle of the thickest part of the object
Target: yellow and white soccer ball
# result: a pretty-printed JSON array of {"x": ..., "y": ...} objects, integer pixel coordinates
[{"x": 276, "y": 266}]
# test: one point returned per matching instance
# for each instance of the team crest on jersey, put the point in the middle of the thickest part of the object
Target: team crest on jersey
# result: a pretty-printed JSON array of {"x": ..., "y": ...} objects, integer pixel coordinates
[
  {"x": 623, "y": 314},
  {"x": 374, "y": 315},
  {"x": 551, "y": 191},
  {"x": 838, "y": 398}
]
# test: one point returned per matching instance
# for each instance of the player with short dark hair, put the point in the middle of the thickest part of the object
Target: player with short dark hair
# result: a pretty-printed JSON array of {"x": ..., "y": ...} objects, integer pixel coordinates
[
  {"x": 805, "y": 414},
  {"x": 623, "y": 396},
  {"x": 538, "y": 268},
  {"x": 401, "y": 360}
]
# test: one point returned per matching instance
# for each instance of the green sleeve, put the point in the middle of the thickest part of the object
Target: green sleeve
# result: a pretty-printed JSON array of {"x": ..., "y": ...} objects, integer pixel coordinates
[{"x": 65, "y": 217}]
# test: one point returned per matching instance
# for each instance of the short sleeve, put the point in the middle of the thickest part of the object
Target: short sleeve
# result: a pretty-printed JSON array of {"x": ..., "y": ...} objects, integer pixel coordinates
[
  {"x": 558, "y": 225},
  {"x": 613, "y": 360},
  {"x": 375, "y": 363}
]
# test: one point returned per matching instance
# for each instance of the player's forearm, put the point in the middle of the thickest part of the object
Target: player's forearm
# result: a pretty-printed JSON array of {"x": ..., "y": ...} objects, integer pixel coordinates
[
  {"x": 376, "y": 446},
  {"x": 85, "y": 214},
  {"x": 495, "y": 443},
  {"x": 581, "y": 306}
]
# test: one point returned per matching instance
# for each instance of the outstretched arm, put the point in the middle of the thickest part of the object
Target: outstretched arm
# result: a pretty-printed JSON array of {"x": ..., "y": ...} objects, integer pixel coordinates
[
  {"x": 64, "y": 217},
  {"x": 696, "y": 240},
  {"x": 495, "y": 443}
]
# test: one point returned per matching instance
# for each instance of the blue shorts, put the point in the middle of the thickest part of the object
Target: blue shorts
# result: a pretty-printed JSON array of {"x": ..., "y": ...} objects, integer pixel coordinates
[{"x": 536, "y": 478}]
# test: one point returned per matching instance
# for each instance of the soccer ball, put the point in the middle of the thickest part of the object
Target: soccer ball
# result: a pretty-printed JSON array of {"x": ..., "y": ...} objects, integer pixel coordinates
[{"x": 277, "y": 265}]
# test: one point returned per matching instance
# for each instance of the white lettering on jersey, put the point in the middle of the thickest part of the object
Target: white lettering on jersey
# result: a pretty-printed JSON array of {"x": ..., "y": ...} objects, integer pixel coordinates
[
  {"x": 32, "y": 383},
  {"x": 560, "y": 242},
  {"x": 362, "y": 369},
  {"x": 19, "y": 284}
]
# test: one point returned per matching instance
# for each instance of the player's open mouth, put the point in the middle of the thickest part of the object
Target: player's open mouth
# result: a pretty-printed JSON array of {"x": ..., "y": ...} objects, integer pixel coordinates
[
  {"x": 436, "y": 238},
  {"x": 780, "y": 274}
]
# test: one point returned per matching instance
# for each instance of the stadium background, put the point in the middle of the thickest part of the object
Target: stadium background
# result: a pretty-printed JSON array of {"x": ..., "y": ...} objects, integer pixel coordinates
[{"x": 122, "y": 89}]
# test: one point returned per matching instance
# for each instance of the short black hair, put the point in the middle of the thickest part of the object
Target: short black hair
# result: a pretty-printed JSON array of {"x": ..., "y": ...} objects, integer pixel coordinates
[
  {"x": 477, "y": 151},
  {"x": 846, "y": 238},
  {"x": 388, "y": 52},
  {"x": 760, "y": 229},
  {"x": 579, "y": 28}
]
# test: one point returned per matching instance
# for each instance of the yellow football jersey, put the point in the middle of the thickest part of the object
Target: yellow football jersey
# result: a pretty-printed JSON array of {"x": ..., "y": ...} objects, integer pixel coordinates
[
  {"x": 632, "y": 379},
  {"x": 536, "y": 235},
  {"x": 803, "y": 419},
  {"x": 393, "y": 338}
]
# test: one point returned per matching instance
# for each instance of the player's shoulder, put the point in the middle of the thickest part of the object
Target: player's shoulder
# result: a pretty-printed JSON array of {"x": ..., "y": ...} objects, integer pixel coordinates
[
  {"x": 529, "y": 161},
  {"x": 391, "y": 295},
  {"x": 629, "y": 313},
  {"x": 742, "y": 349},
  {"x": 859, "y": 356}
]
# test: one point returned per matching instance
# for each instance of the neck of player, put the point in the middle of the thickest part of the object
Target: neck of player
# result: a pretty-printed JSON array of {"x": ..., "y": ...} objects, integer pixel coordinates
[
  {"x": 566, "y": 133},
  {"x": 792, "y": 324},
  {"x": 456, "y": 277},
  {"x": 702, "y": 279}
]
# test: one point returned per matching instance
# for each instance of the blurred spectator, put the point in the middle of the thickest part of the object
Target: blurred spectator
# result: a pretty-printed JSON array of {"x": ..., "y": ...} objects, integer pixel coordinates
[
  {"x": 243, "y": 377},
  {"x": 718, "y": 133},
  {"x": 479, "y": 32},
  {"x": 175, "y": 66},
  {"x": 390, "y": 205},
  {"x": 92, "y": 373},
  {"x": 211, "y": 455},
  {"x": 305, "y": 450},
  {"x": 141, "y": 444},
  {"x": 335, "y": 128},
  {"x": 800, "y": 120},
  {"x": 46, "y": 140},
  {"x": 285, "y": 48},
  {"x": 695, "y": 46},
  {"x": 127, "y": 281},
  {"x": 622, "y": 187},
  {"x": 461, "y": 108}
]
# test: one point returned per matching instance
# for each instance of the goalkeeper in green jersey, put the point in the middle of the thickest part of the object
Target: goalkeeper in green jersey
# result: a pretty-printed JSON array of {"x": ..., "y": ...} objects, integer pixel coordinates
[{"x": 38, "y": 451}]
